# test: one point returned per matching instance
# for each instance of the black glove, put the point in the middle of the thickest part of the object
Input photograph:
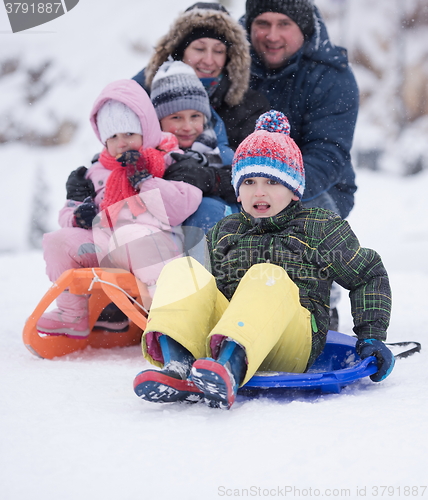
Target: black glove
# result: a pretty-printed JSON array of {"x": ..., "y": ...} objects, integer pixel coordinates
[
  {"x": 129, "y": 160},
  {"x": 85, "y": 213},
  {"x": 191, "y": 171},
  {"x": 129, "y": 157},
  {"x": 196, "y": 155},
  {"x": 210, "y": 180},
  {"x": 137, "y": 176},
  {"x": 78, "y": 187},
  {"x": 385, "y": 358},
  {"x": 224, "y": 184}
]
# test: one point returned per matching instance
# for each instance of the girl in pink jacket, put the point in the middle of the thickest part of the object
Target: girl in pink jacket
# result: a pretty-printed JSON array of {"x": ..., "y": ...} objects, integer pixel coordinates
[{"x": 132, "y": 220}]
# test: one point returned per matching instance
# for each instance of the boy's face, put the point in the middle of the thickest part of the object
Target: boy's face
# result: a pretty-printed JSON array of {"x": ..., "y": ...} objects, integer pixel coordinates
[
  {"x": 263, "y": 197},
  {"x": 186, "y": 125},
  {"x": 120, "y": 143}
]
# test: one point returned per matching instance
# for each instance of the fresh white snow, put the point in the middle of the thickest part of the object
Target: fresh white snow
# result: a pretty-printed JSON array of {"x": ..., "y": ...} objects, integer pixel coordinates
[{"x": 73, "y": 429}]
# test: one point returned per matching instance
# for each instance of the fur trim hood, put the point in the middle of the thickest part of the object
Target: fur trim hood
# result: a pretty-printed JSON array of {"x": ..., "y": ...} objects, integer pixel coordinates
[
  {"x": 238, "y": 65},
  {"x": 135, "y": 97}
]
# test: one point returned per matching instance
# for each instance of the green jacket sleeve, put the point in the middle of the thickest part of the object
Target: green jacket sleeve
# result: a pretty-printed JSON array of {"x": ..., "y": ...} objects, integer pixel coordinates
[{"x": 361, "y": 271}]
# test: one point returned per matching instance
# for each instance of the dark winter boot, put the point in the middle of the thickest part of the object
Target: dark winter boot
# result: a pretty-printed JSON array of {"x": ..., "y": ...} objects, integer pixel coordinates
[
  {"x": 219, "y": 379},
  {"x": 171, "y": 384},
  {"x": 112, "y": 319}
]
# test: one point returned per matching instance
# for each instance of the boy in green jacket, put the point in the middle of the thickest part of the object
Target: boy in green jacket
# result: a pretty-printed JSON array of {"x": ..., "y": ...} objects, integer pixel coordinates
[{"x": 266, "y": 304}]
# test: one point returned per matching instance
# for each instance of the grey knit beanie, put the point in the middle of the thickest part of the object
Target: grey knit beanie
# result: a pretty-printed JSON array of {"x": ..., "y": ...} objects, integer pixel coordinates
[
  {"x": 300, "y": 11},
  {"x": 176, "y": 87}
]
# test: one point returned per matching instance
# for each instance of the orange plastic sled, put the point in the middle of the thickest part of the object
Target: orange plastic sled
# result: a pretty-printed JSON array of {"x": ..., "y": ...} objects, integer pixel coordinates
[{"x": 104, "y": 286}]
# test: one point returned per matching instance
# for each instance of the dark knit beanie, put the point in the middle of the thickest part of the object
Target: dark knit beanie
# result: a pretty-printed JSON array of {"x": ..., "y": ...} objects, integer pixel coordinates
[
  {"x": 195, "y": 35},
  {"x": 207, "y": 5},
  {"x": 300, "y": 11},
  {"x": 201, "y": 32}
]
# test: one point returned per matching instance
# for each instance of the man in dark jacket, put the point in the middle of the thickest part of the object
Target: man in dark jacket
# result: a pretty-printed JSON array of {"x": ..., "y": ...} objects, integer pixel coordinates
[{"x": 308, "y": 79}]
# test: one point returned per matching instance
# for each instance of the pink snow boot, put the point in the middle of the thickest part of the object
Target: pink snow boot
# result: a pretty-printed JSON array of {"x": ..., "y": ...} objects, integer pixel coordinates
[{"x": 71, "y": 318}]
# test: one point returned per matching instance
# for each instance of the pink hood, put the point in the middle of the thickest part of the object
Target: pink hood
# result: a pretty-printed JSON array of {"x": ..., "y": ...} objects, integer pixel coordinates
[{"x": 130, "y": 93}]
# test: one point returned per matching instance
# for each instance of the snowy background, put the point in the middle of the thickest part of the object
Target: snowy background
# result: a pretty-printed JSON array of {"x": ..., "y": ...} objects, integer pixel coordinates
[{"x": 72, "y": 428}]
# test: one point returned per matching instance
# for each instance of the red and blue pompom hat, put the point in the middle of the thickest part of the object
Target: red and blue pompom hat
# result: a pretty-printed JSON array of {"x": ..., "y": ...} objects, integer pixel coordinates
[{"x": 270, "y": 152}]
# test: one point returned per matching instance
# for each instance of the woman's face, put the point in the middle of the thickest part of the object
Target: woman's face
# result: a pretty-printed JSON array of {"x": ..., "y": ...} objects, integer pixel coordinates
[{"x": 206, "y": 56}]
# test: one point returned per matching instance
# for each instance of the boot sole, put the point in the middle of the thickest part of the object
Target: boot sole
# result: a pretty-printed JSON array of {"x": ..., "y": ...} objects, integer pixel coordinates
[
  {"x": 156, "y": 387},
  {"x": 67, "y": 332},
  {"x": 108, "y": 326},
  {"x": 214, "y": 381}
]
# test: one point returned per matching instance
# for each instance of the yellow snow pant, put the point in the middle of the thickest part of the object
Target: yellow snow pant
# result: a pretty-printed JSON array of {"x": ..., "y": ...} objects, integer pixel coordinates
[{"x": 264, "y": 316}]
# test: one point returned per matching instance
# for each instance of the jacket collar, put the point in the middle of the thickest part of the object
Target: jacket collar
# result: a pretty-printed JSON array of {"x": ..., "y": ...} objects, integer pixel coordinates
[
  {"x": 259, "y": 69},
  {"x": 219, "y": 95}
]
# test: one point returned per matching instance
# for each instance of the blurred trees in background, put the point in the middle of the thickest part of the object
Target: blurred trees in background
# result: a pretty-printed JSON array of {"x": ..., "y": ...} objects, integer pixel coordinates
[{"x": 387, "y": 42}]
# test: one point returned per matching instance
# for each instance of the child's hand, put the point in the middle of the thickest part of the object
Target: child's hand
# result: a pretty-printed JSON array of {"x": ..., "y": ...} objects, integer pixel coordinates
[
  {"x": 78, "y": 187},
  {"x": 385, "y": 358},
  {"x": 85, "y": 213},
  {"x": 193, "y": 155},
  {"x": 130, "y": 157},
  {"x": 135, "y": 177},
  {"x": 191, "y": 171}
]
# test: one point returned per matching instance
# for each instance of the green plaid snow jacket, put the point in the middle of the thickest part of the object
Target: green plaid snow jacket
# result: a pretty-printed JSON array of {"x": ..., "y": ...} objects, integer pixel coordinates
[{"x": 315, "y": 247}]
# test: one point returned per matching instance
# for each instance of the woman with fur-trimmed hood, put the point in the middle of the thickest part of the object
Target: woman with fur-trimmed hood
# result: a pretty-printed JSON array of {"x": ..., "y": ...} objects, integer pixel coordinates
[{"x": 207, "y": 28}]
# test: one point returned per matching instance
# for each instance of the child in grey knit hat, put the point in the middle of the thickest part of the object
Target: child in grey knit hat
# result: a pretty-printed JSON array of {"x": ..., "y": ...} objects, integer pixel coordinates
[{"x": 183, "y": 108}]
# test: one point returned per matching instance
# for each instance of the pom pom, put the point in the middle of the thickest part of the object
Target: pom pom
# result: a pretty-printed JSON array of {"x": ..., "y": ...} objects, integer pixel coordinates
[{"x": 273, "y": 121}]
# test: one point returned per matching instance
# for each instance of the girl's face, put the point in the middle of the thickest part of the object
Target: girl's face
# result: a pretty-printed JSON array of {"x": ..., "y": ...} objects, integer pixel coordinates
[
  {"x": 186, "y": 125},
  {"x": 206, "y": 56},
  {"x": 120, "y": 143},
  {"x": 263, "y": 197}
]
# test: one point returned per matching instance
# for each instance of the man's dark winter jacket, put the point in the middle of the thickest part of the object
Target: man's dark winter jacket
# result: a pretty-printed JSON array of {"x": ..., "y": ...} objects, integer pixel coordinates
[
  {"x": 318, "y": 93},
  {"x": 315, "y": 247}
]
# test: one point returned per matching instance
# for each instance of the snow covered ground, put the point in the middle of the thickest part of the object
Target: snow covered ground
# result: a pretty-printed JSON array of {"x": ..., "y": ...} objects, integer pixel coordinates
[{"x": 73, "y": 429}]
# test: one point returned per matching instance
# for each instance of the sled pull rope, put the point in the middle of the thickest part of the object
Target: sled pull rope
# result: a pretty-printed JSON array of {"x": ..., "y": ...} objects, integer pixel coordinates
[
  {"x": 97, "y": 279},
  {"x": 409, "y": 352}
]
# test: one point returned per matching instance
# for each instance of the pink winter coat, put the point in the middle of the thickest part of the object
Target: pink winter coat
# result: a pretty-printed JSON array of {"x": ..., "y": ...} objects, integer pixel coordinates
[
  {"x": 130, "y": 93},
  {"x": 170, "y": 202}
]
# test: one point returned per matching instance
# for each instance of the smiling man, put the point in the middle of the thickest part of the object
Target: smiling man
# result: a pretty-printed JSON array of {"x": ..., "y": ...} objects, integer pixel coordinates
[{"x": 308, "y": 79}]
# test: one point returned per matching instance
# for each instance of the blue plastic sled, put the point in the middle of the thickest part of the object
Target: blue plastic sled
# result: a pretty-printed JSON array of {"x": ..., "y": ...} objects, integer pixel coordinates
[{"x": 336, "y": 367}]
